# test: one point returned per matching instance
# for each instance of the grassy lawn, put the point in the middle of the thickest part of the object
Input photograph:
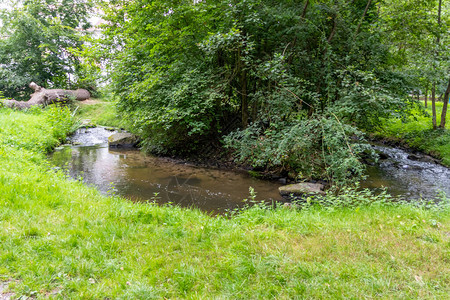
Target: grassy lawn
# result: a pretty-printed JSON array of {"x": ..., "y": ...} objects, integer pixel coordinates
[
  {"x": 418, "y": 133},
  {"x": 99, "y": 112},
  {"x": 61, "y": 239}
]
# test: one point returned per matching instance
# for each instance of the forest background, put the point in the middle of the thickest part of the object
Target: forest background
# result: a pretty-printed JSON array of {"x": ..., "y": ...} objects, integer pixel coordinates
[{"x": 290, "y": 87}]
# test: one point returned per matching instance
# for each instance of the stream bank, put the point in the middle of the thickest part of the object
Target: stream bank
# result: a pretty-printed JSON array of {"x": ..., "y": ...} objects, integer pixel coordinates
[
  {"x": 62, "y": 238},
  {"x": 395, "y": 142},
  {"x": 140, "y": 177}
]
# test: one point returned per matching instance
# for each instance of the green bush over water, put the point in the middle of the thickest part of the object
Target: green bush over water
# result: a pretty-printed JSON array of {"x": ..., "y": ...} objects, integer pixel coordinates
[
  {"x": 61, "y": 239},
  {"x": 257, "y": 76}
]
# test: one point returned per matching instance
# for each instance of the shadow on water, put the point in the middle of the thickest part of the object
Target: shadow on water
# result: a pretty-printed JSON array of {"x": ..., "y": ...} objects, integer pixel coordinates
[{"x": 140, "y": 177}]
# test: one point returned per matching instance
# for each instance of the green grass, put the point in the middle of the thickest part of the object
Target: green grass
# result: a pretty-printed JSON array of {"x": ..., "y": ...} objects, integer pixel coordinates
[
  {"x": 61, "y": 239},
  {"x": 102, "y": 113},
  {"x": 418, "y": 133}
]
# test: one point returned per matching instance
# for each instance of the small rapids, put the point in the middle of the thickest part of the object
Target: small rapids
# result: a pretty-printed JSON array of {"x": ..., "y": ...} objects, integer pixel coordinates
[
  {"x": 407, "y": 175},
  {"x": 140, "y": 177},
  {"x": 86, "y": 137}
]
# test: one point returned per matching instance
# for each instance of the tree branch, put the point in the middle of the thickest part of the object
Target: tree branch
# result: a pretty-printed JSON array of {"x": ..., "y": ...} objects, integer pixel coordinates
[{"x": 362, "y": 18}]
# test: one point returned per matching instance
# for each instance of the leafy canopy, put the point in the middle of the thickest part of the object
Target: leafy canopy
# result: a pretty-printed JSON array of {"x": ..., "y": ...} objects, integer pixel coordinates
[
  {"x": 39, "y": 39},
  {"x": 288, "y": 85}
]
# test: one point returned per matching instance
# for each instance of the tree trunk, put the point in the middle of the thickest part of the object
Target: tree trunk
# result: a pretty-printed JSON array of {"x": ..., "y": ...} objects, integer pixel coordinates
[
  {"x": 433, "y": 92},
  {"x": 445, "y": 106},
  {"x": 304, "y": 10},
  {"x": 243, "y": 89},
  {"x": 333, "y": 31},
  {"x": 362, "y": 18},
  {"x": 433, "y": 104},
  {"x": 254, "y": 104},
  {"x": 294, "y": 43},
  {"x": 244, "y": 99},
  {"x": 426, "y": 97},
  {"x": 44, "y": 97}
]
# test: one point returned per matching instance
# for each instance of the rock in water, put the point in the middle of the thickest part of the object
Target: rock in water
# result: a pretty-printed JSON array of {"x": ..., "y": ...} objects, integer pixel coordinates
[
  {"x": 302, "y": 188},
  {"x": 123, "y": 140},
  {"x": 423, "y": 158}
]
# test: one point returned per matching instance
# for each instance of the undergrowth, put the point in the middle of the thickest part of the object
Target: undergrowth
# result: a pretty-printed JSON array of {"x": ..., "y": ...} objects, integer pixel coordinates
[
  {"x": 101, "y": 113},
  {"x": 61, "y": 239}
]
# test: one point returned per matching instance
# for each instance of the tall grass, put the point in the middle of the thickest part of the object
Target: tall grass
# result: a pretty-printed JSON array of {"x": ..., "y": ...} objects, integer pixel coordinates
[{"x": 61, "y": 239}]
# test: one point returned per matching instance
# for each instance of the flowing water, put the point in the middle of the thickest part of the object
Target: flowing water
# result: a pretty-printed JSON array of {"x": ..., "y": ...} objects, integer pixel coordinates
[
  {"x": 406, "y": 177},
  {"x": 139, "y": 177}
]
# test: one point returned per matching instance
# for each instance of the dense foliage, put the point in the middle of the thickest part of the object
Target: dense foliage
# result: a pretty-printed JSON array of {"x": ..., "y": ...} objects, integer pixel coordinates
[
  {"x": 417, "y": 32},
  {"x": 38, "y": 42},
  {"x": 287, "y": 86},
  {"x": 294, "y": 80}
]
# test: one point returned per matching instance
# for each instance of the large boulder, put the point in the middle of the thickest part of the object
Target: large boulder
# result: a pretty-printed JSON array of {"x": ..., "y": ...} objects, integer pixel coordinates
[
  {"x": 123, "y": 140},
  {"x": 302, "y": 188}
]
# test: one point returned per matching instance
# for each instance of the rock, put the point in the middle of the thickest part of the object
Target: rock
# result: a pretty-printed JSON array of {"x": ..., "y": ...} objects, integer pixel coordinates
[
  {"x": 86, "y": 123},
  {"x": 423, "y": 158},
  {"x": 123, "y": 139},
  {"x": 414, "y": 157},
  {"x": 382, "y": 155},
  {"x": 299, "y": 189},
  {"x": 431, "y": 160},
  {"x": 282, "y": 180}
]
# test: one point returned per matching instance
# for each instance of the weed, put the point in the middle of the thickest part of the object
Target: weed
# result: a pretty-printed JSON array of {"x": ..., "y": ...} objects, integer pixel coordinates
[
  {"x": 102, "y": 113},
  {"x": 61, "y": 238}
]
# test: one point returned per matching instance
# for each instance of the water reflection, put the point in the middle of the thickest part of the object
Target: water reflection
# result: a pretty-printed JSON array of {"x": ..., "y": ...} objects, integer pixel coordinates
[{"x": 139, "y": 177}]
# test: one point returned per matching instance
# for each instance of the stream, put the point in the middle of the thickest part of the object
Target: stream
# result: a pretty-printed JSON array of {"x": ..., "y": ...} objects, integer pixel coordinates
[
  {"x": 407, "y": 177},
  {"x": 139, "y": 177}
]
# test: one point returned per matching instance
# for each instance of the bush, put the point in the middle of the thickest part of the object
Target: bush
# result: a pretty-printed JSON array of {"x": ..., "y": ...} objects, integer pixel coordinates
[{"x": 312, "y": 148}]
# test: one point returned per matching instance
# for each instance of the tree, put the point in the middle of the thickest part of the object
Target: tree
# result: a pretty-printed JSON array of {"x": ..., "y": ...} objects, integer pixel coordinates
[
  {"x": 445, "y": 106},
  {"x": 39, "y": 39},
  {"x": 44, "y": 97},
  {"x": 417, "y": 32},
  {"x": 286, "y": 84}
]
